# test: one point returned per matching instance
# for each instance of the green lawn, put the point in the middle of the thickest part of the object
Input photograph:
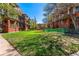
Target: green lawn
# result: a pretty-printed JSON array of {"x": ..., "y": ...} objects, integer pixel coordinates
[{"x": 41, "y": 43}]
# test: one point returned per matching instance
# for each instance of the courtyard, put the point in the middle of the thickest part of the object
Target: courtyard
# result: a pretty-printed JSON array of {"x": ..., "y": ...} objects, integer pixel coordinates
[{"x": 40, "y": 43}]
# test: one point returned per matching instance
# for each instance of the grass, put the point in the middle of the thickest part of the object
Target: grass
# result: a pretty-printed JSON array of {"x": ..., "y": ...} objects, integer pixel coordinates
[{"x": 39, "y": 43}]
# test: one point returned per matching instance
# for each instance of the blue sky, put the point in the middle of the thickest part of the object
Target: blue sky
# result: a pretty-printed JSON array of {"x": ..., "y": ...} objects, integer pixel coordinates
[{"x": 33, "y": 10}]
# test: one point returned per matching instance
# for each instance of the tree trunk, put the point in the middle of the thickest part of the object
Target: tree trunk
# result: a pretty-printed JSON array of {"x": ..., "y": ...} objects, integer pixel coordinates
[{"x": 74, "y": 22}]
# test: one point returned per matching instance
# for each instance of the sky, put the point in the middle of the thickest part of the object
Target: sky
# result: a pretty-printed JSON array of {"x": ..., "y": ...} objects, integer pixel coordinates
[{"x": 33, "y": 10}]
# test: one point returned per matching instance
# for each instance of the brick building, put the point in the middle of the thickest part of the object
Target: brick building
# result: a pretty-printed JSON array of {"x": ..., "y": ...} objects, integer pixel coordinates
[
  {"x": 9, "y": 24},
  {"x": 14, "y": 25},
  {"x": 68, "y": 18}
]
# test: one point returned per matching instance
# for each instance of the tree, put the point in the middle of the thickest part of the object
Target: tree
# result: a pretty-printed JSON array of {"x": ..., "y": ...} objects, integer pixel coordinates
[
  {"x": 7, "y": 10},
  {"x": 45, "y": 21},
  {"x": 49, "y": 9},
  {"x": 33, "y": 23}
]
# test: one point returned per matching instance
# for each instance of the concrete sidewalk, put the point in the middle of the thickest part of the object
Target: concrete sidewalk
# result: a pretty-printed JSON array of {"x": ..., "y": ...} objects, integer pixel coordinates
[{"x": 6, "y": 49}]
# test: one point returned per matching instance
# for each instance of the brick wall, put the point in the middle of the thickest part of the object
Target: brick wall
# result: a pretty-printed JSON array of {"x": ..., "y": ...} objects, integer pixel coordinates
[{"x": 7, "y": 27}]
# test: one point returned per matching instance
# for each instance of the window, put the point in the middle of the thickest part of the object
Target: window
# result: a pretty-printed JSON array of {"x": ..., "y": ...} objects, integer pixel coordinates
[
  {"x": 77, "y": 18},
  {"x": 77, "y": 9}
]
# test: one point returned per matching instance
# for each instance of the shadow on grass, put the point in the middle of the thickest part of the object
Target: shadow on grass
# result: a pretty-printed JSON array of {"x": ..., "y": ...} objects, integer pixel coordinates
[{"x": 74, "y": 34}]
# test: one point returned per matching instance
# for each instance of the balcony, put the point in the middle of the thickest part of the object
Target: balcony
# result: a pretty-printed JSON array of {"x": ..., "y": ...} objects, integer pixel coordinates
[
  {"x": 77, "y": 14},
  {"x": 63, "y": 16}
]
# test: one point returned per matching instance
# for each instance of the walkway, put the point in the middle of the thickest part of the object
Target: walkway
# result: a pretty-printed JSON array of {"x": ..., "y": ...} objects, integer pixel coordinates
[{"x": 6, "y": 49}]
